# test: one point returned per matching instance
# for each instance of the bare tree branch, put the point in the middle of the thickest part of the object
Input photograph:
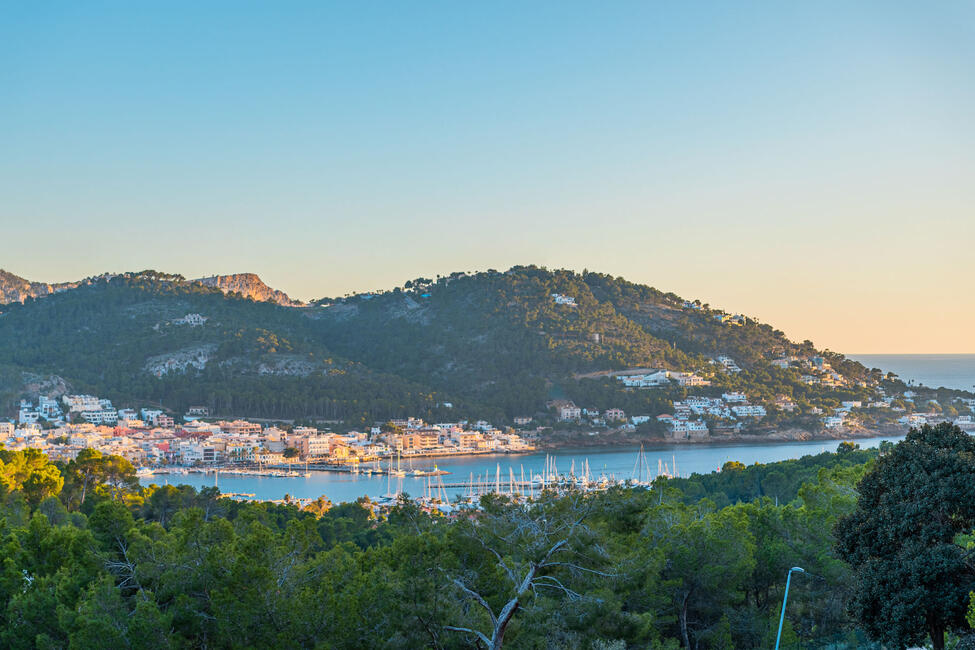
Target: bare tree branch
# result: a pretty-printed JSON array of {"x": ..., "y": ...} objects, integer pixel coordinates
[
  {"x": 478, "y": 599},
  {"x": 479, "y": 635}
]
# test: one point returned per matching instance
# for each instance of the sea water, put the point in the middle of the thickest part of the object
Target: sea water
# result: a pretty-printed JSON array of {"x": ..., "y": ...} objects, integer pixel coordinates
[
  {"x": 616, "y": 462},
  {"x": 932, "y": 370}
]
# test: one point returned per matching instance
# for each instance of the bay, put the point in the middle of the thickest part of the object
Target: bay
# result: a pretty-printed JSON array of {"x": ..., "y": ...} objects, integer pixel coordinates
[{"x": 611, "y": 461}]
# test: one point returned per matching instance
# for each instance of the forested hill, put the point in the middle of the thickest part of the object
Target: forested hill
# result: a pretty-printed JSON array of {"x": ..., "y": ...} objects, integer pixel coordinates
[
  {"x": 517, "y": 338},
  {"x": 129, "y": 338},
  {"x": 492, "y": 344}
]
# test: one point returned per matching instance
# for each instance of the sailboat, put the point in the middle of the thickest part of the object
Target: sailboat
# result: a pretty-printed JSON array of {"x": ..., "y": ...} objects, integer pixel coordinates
[
  {"x": 641, "y": 469},
  {"x": 373, "y": 470},
  {"x": 389, "y": 487},
  {"x": 398, "y": 471}
]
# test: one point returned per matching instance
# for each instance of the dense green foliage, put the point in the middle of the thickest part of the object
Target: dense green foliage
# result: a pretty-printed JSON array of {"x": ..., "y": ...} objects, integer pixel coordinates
[
  {"x": 781, "y": 482},
  {"x": 494, "y": 345},
  {"x": 101, "y": 336},
  {"x": 912, "y": 576},
  {"x": 92, "y": 559},
  {"x": 500, "y": 338}
]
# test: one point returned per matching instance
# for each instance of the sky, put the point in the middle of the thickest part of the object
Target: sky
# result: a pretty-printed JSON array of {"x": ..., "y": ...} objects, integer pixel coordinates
[{"x": 808, "y": 164}]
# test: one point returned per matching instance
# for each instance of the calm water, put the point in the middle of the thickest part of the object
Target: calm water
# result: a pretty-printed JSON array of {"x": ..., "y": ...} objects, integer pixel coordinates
[
  {"x": 932, "y": 370},
  {"x": 618, "y": 462}
]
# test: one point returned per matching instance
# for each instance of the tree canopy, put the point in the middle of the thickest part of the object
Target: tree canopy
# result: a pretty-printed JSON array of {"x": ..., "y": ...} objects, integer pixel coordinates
[
  {"x": 92, "y": 558},
  {"x": 912, "y": 577},
  {"x": 493, "y": 345}
]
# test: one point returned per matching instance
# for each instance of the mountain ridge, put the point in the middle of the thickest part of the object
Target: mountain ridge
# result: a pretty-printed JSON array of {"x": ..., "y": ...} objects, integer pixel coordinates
[
  {"x": 14, "y": 288},
  {"x": 496, "y": 345}
]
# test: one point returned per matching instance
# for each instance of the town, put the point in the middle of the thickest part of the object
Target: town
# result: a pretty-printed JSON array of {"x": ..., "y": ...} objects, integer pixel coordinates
[
  {"x": 699, "y": 417},
  {"x": 154, "y": 440},
  {"x": 151, "y": 439}
]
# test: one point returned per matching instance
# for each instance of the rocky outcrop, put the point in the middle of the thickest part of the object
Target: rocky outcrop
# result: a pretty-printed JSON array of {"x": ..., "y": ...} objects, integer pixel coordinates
[
  {"x": 180, "y": 361},
  {"x": 248, "y": 285},
  {"x": 14, "y": 288}
]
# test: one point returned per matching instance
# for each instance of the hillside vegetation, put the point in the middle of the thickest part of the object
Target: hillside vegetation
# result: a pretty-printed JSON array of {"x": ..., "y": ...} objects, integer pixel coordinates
[
  {"x": 492, "y": 345},
  {"x": 93, "y": 559}
]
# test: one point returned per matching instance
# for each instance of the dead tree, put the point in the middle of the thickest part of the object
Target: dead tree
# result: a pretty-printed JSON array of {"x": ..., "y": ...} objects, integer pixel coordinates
[{"x": 538, "y": 547}]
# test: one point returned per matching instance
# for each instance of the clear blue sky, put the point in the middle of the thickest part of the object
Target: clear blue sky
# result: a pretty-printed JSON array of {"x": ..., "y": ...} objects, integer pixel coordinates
[{"x": 810, "y": 165}]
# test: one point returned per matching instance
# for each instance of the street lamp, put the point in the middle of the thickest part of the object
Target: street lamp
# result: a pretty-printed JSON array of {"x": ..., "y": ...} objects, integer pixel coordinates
[{"x": 785, "y": 599}]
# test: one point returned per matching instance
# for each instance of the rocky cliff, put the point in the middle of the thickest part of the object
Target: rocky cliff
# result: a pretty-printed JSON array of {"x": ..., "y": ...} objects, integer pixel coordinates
[
  {"x": 248, "y": 285},
  {"x": 14, "y": 288}
]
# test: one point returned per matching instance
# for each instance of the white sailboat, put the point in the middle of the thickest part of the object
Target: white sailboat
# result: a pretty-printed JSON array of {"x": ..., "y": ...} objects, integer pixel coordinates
[{"x": 399, "y": 470}]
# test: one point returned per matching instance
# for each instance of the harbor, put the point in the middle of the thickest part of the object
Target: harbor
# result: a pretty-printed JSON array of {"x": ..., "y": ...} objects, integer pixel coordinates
[{"x": 483, "y": 474}]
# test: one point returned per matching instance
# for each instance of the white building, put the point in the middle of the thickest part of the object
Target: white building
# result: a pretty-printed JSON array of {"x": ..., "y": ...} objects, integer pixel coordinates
[
  {"x": 101, "y": 416},
  {"x": 913, "y": 420},
  {"x": 563, "y": 300},
  {"x": 728, "y": 319},
  {"x": 193, "y": 320},
  {"x": 151, "y": 415},
  {"x": 649, "y": 380},
  {"x": 697, "y": 428},
  {"x": 689, "y": 379},
  {"x": 316, "y": 445},
  {"x": 81, "y": 403},
  {"x": 728, "y": 363},
  {"x": 28, "y": 414},
  {"x": 48, "y": 408},
  {"x": 569, "y": 412},
  {"x": 749, "y": 411}
]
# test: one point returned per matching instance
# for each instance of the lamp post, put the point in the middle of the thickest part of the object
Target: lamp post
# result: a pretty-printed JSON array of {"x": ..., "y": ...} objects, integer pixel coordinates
[{"x": 785, "y": 599}]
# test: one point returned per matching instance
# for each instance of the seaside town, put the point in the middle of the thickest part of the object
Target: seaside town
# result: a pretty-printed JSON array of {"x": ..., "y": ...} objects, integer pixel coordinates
[
  {"x": 410, "y": 326},
  {"x": 702, "y": 418},
  {"x": 154, "y": 440},
  {"x": 158, "y": 441},
  {"x": 151, "y": 439}
]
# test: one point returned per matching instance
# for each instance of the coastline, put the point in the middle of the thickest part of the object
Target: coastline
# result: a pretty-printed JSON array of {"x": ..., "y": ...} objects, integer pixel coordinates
[{"x": 613, "y": 438}]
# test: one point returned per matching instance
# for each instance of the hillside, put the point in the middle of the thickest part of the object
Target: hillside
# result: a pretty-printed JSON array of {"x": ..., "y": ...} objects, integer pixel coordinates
[
  {"x": 494, "y": 345},
  {"x": 127, "y": 337},
  {"x": 503, "y": 339}
]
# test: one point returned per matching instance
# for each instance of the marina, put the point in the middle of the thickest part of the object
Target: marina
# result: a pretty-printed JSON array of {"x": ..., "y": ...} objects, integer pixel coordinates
[{"x": 502, "y": 473}]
